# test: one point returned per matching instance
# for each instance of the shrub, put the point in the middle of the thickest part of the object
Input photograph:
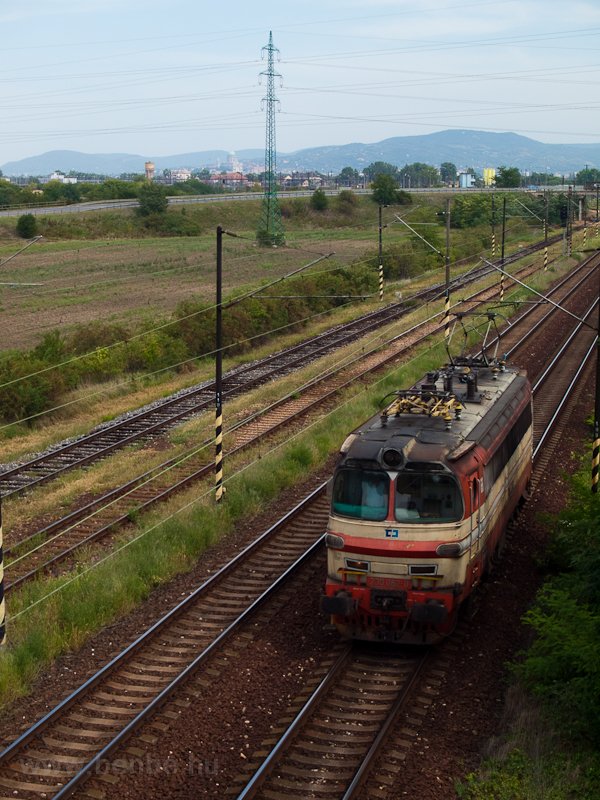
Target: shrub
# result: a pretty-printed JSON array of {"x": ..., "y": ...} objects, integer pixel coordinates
[
  {"x": 319, "y": 200},
  {"x": 152, "y": 199},
  {"x": 346, "y": 202},
  {"x": 27, "y": 226},
  {"x": 563, "y": 664}
]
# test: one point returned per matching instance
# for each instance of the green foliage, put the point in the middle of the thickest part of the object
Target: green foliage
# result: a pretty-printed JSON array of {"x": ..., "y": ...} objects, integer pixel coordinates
[
  {"x": 508, "y": 177},
  {"x": 59, "y": 192},
  {"x": 108, "y": 590},
  {"x": 378, "y": 168},
  {"x": 172, "y": 223},
  {"x": 112, "y": 189},
  {"x": 52, "y": 348},
  {"x": 419, "y": 175},
  {"x": 384, "y": 189},
  {"x": 152, "y": 199},
  {"x": 20, "y": 399},
  {"x": 10, "y": 194},
  {"x": 563, "y": 664},
  {"x": 294, "y": 208},
  {"x": 519, "y": 777},
  {"x": 471, "y": 210},
  {"x": 386, "y": 193},
  {"x": 346, "y": 202},
  {"x": 348, "y": 177},
  {"x": 448, "y": 172},
  {"x": 26, "y": 226},
  {"x": 99, "y": 351},
  {"x": 195, "y": 186},
  {"x": 269, "y": 238},
  {"x": 590, "y": 176},
  {"x": 319, "y": 200},
  {"x": 542, "y": 179}
]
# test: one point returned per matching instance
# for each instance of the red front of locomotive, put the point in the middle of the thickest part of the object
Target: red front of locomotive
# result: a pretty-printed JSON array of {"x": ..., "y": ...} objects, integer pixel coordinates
[
  {"x": 415, "y": 517},
  {"x": 387, "y": 575}
]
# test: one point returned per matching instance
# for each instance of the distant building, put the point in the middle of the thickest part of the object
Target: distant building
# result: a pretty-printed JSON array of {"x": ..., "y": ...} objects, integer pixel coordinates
[
  {"x": 466, "y": 180},
  {"x": 57, "y": 175},
  {"x": 489, "y": 176},
  {"x": 302, "y": 180},
  {"x": 232, "y": 180},
  {"x": 233, "y": 163},
  {"x": 180, "y": 175},
  {"x": 149, "y": 169}
]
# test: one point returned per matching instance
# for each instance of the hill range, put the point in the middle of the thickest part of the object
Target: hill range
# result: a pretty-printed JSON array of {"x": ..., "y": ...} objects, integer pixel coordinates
[{"x": 477, "y": 149}]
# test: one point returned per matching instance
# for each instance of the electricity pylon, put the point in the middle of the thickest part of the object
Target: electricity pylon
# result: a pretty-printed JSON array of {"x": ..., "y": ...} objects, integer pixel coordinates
[{"x": 270, "y": 231}]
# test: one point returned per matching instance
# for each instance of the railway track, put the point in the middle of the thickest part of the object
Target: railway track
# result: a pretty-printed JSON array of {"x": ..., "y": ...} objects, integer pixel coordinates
[
  {"x": 48, "y": 548},
  {"x": 329, "y": 744},
  {"x": 155, "y": 419},
  {"x": 58, "y": 754},
  {"x": 304, "y": 761}
]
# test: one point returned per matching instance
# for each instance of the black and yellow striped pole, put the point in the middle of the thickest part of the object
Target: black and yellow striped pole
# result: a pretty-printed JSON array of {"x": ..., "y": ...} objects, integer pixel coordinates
[
  {"x": 502, "y": 249},
  {"x": 447, "y": 297},
  {"x": 493, "y": 225},
  {"x": 219, "y": 371},
  {"x": 545, "y": 231},
  {"x": 569, "y": 222},
  {"x": 2, "y": 600},
  {"x": 596, "y": 452},
  {"x": 380, "y": 257},
  {"x": 596, "y": 445}
]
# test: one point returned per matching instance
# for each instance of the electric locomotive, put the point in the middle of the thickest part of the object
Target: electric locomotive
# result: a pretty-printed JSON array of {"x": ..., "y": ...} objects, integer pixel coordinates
[{"x": 421, "y": 497}]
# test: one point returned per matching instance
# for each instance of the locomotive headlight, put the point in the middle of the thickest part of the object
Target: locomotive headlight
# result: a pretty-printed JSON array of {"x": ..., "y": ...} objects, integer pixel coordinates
[
  {"x": 392, "y": 458},
  {"x": 359, "y": 566},
  {"x": 334, "y": 541},
  {"x": 452, "y": 550}
]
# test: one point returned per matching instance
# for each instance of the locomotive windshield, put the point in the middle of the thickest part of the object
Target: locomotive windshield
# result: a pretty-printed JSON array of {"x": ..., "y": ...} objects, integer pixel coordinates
[
  {"x": 427, "y": 497},
  {"x": 361, "y": 494}
]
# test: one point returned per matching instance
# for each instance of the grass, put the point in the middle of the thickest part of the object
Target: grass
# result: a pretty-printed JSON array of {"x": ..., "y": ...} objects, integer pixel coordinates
[
  {"x": 531, "y": 761},
  {"x": 87, "y": 406},
  {"x": 54, "y": 616},
  {"x": 129, "y": 463},
  {"x": 78, "y": 605},
  {"x": 117, "y": 277}
]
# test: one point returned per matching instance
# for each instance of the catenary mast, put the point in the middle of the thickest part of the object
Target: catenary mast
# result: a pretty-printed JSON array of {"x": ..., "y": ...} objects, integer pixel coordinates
[{"x": 270, "y": 231}]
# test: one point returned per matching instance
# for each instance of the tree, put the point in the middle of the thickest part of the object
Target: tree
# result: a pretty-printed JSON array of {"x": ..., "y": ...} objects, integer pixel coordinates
[
  {"x": 385, "y": 192},
  {"x": 346, "y": 201},
  {"x": 472, "y": 210},
  {"x": 544, "y": 179},
  {"x": 588, "y": 177},
  {"x": 26, "y": 226},
  {"x": 419, "y": 175},
  {"x": 152, "y": 199},
  {"x": 508, "y": 177},
  {"x": 380, "y": 168},
  {"x": 319, "y": 200},
  {"x": 448, "y": 172},
  {"x": 348, "y": 177}
]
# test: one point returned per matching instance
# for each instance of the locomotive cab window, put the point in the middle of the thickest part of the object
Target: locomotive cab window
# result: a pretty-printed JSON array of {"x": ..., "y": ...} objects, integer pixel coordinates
[
  {"x": 361, "y": 494},
  {"x": 427, "y": 497}
]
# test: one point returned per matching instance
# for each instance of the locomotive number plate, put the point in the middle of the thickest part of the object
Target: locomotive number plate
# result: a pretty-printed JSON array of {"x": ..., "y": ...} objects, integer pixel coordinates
[
  {"x": 392, "y": 533},
  {"x": 384, "y": 583}
]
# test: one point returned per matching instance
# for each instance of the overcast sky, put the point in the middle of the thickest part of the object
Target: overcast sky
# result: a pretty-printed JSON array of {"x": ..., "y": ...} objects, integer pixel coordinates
[{"x": 153, "y": 77}]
